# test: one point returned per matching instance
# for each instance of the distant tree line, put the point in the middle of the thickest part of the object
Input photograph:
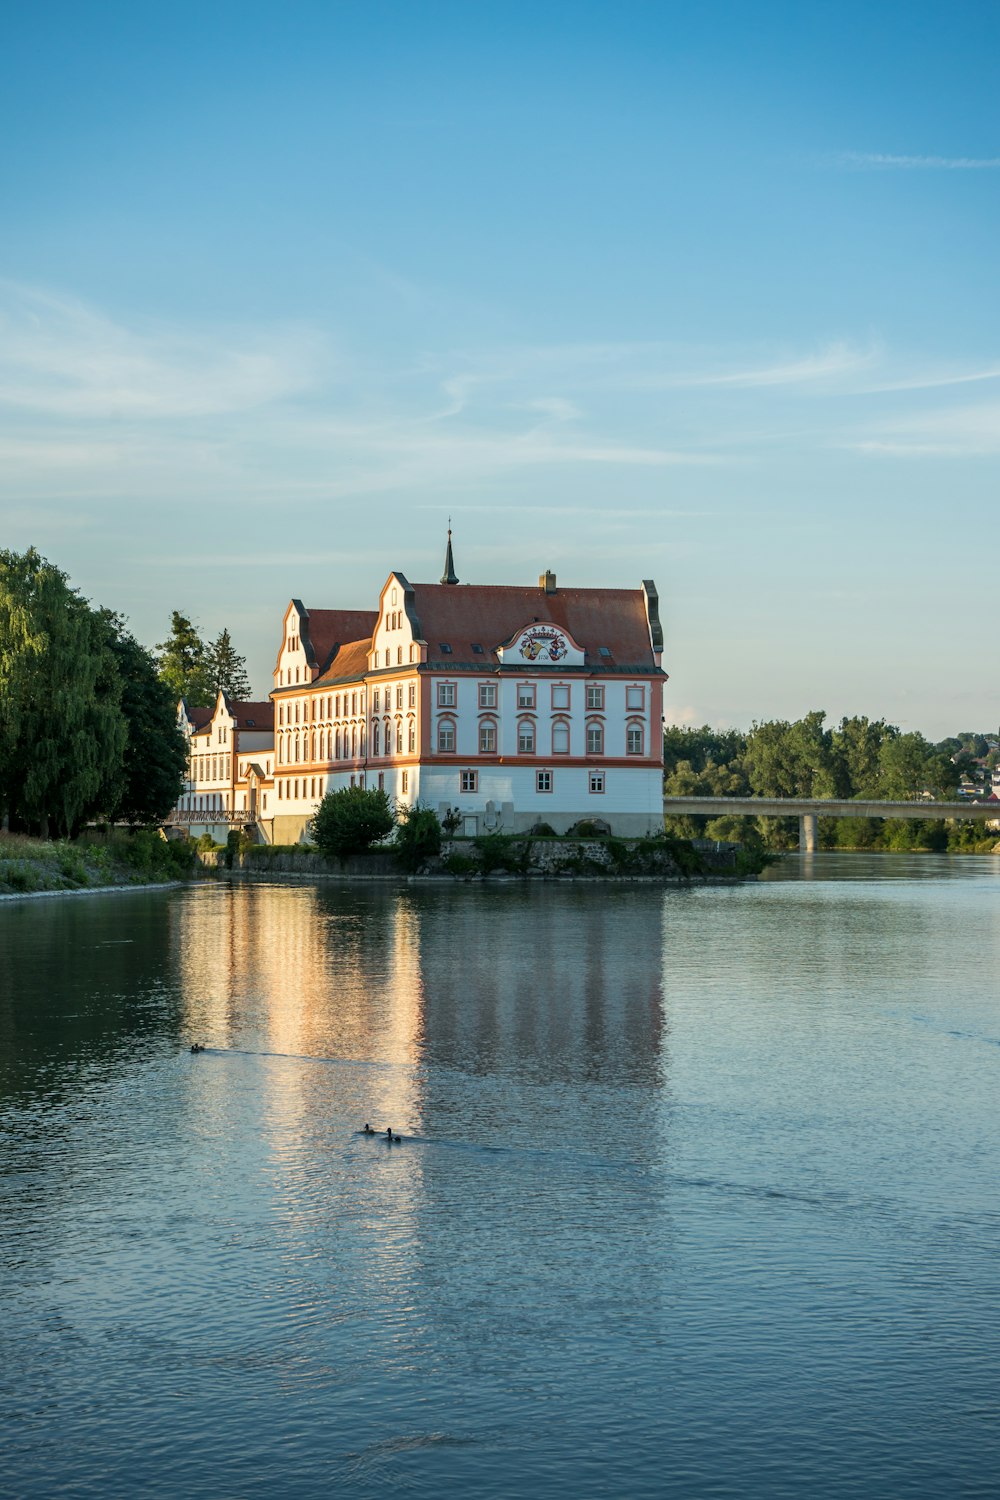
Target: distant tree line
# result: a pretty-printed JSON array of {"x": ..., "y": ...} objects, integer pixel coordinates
[
  {"x": 88, "y": 716},
  {"x": 859, "y": 758}
]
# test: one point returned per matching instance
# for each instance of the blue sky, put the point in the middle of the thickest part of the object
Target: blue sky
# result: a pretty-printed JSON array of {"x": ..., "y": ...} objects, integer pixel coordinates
[{"x": 698, "y": 293}]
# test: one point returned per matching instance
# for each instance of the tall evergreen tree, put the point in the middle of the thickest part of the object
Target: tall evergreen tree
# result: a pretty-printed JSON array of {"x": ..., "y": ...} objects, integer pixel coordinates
[
  {"x": 62, "y": 731},
  {"x": 227, "y": 670},
  {"x": 155, "y": 754},
  {"x": 183, "y": 663}
]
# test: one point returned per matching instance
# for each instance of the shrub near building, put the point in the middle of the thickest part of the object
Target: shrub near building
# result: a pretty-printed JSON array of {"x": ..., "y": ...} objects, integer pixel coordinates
[{"x": 350, "y": 821}]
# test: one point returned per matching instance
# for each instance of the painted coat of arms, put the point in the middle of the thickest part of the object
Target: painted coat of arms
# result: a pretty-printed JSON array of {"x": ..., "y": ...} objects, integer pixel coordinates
[{"x": 543, "y": 644}]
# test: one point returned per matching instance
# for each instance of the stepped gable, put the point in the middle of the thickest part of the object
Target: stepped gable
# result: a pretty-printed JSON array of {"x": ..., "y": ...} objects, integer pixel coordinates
[
  {"x": 329, "y": 629},
  {"x": 490, "y": 614},
  {"x": 349, "y": 662}
]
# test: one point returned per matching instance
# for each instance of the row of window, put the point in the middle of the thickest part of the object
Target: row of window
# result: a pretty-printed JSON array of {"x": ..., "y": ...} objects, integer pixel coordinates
[
  {"x": 330, "y": 744},
  {"x": 527, "y": 696},
  {"x": 320, "y": 708},
  {"x": 209, "y": 767},
  {"x": 468, "y": 781},
  {"x": 336, "y": 744},
  {"x": 341, "y": 705},
  {"x": 527, "y": 740},
  {"x": 388, "y": 656}
]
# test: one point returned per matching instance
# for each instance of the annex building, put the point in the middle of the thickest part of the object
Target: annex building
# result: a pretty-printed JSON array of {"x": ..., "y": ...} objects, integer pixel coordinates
[{"x": 501, "y": 706}]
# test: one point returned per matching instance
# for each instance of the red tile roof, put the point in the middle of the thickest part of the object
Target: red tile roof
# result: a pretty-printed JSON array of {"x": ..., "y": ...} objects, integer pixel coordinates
[
  {"x": 350, "y": 661},
  {"x": 262, "y": 715},
  {"x": 329, "y": 629},
  {"x": 490, "y": 614}
]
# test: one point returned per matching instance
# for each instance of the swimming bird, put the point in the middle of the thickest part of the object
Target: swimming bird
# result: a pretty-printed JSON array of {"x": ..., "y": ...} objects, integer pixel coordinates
[
  {"x": 367, "y": 1130},
  {"x": 197, "y": 1047}
]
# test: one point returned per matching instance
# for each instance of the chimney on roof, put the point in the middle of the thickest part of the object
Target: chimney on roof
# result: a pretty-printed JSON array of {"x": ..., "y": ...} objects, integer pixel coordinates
[
  {"x": 547, "y": 582},
  {"x": 449, "y": 575}
]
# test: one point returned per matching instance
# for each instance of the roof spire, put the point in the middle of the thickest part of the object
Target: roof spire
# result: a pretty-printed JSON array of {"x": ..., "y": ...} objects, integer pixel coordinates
[{"x": 449, "y": 575}]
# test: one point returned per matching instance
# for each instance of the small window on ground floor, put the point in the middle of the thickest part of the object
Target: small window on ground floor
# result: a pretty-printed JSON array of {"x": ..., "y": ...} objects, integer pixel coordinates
[
  {"x": 597, "y": 781},
  {"x": 543, "y": 781},
  {"x": 469, "y": 781}
]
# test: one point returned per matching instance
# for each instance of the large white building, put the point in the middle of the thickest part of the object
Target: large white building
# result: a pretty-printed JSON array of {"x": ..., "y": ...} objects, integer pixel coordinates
[{"x": 502, "y": 706}]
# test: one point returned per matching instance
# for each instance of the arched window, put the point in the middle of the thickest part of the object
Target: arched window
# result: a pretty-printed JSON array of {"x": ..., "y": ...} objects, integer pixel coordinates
[
  {"x": 526, "y": 737},
  {"x": 376, "y": 738},
  {"x": 560, "y": 737},
  {"x": 411, "y": 737},
  {"x": 446, "y": 736},
  {"x": 354, "y": 740},
  {"x": 337, "y": 756},
  {"x": 487, "y": 737},
  {"x": 595, "y": 738},
  {"x": 634, "y": 739}
]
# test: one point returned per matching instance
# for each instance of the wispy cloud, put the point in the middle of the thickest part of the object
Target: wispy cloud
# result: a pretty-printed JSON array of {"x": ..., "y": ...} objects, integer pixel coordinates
[
  {"x": 929, "y": 380},
  {"x": 960, "y": 432},
  {"x": 887, "y": 161},
  {"x": 835, "y": 361},
  {"x": 97, "y": 409},
  {"x": 61, "y": 357}
]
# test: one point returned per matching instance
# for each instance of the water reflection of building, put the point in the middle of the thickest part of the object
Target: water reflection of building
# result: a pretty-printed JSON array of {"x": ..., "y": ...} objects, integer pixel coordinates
[
  {"x": 518, "y": 1032},
  {"x": 543, "y": 982},
  {"x": 533, "y": 982}
]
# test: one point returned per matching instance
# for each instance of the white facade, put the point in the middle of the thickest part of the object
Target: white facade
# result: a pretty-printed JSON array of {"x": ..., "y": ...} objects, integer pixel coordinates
[
  {"x": 500, "y": 707},
  {"x": 482, "y": 703}
]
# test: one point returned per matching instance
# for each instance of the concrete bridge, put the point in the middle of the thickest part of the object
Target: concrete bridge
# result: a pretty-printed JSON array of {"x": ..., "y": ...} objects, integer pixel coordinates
[{"x": 808, "y": 809}]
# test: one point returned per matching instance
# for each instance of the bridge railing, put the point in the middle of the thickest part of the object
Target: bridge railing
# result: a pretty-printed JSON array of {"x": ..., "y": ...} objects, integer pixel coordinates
[{"x": 184, "y": 817}]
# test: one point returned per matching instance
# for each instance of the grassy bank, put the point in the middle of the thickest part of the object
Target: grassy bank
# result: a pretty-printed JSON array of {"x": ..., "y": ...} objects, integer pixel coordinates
[{"x": 141, "y": 858}]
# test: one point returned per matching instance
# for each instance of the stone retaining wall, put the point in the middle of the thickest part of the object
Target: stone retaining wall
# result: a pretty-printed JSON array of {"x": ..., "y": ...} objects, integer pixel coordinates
[{"x": 533, "y": 859}]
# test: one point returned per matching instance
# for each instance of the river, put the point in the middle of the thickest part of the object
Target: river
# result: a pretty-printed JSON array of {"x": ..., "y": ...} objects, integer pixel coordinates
[{"x": 698, "y": 1193}]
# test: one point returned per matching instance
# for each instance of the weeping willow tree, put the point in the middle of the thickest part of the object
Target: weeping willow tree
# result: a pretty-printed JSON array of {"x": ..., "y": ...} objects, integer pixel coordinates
[{"x": 62, "y": 730}]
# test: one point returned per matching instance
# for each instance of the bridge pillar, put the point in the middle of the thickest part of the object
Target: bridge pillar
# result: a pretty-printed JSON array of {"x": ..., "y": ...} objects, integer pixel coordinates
[{"x": 807, "y": 833}]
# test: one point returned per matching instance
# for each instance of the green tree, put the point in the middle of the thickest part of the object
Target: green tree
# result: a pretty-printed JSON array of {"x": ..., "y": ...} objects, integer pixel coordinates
[
  {"x": 908, "y": 766},
  {"x": 351, "y": 820},
  {"x": 183, "y": 663},
  {"x": 418, "y": 837},
  {"x": 155, "y": 754},
  {"x": 857, "y": 744},
  {"x": 62, "y": 731},
  {"x": 791, "y": 760},
  {"x": 698, "y": 747},
  {"x": 227, "y": 670}
]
